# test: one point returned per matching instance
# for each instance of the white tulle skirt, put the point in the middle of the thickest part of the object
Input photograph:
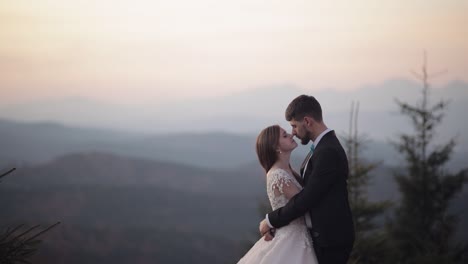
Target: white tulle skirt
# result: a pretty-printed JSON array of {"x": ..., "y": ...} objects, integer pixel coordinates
[{"x": 291, "y": 245}]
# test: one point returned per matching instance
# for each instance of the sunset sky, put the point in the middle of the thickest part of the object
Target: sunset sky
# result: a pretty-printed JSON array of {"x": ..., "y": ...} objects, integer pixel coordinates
[{"x": 135, "y": 51}]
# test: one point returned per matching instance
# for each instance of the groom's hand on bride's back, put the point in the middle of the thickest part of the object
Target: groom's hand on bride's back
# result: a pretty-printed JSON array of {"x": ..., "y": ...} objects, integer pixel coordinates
[{"x": 263, "y": 227}]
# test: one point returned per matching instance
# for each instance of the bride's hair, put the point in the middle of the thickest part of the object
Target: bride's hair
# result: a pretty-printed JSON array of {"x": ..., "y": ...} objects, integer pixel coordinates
[{"x": 267, "y": 143}]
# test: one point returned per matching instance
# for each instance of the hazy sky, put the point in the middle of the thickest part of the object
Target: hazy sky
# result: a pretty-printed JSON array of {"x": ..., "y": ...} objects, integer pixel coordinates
[{"x": 133, "y": 51}]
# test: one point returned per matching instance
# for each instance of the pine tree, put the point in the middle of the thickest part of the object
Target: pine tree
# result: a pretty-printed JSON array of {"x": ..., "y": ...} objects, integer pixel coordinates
[
  {"x": 422, "y": 229},
  {"x": 369, "y": 246},
  {"x": 18, "y": 244}
]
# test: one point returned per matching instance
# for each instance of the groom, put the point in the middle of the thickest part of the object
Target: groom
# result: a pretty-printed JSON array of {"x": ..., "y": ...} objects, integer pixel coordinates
[{"x": 324, "y": 198}]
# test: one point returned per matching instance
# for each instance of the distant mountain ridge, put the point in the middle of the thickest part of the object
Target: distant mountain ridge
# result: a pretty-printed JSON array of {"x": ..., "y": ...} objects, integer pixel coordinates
[
  {"x": 33, "y": 143},
  {"x": 250, "y": 110},
  {"x": 42, "y": 142},
  {"x": 105, "y": 169}
]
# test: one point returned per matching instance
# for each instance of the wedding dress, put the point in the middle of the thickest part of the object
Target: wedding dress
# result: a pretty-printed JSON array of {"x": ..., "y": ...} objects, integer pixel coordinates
[{"x": 292, "y": 243}]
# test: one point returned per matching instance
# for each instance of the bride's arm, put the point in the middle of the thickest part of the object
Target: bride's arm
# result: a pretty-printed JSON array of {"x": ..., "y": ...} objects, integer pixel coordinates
[{"x": 280, "y": 184}]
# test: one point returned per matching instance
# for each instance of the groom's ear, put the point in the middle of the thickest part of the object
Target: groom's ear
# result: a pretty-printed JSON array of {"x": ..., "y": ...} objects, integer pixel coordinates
[{"x": 308, "y": 120}]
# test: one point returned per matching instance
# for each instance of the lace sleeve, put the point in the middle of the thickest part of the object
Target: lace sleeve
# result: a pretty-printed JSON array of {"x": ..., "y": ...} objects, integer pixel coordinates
[{"x": 280, "y": 183}]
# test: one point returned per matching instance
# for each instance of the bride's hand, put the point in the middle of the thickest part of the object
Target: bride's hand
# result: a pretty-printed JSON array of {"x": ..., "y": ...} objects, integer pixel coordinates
[
  {"x": 265, "y": 231},
  {"x": 269, "y": 235}
]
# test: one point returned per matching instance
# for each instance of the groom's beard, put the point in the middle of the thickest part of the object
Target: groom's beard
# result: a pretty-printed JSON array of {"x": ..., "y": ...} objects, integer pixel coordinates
[{"x": 305, "y": 140}]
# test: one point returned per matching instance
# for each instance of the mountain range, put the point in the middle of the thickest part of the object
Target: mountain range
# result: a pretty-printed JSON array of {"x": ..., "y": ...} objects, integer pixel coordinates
[
  {"x": 179, "y": 182},
  {"x": 250, "y": 110},
  {"x": 34, "y": 143},
  {"x": 116, "y": 209}
]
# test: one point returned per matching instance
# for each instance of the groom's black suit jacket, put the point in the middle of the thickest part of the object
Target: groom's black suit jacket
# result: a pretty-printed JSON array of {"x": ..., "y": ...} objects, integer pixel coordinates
[{"x": 324, "y": 196}]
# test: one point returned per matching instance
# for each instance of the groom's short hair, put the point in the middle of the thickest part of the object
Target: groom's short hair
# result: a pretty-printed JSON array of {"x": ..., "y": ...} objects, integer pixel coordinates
[{"x": 304, "y": 105}]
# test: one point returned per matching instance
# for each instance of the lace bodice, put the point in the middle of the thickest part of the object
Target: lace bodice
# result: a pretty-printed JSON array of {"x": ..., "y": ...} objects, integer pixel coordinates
[{"x": 277, "y": 179}]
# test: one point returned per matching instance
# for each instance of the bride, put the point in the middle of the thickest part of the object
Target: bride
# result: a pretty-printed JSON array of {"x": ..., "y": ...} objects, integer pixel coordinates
[{"x": 292, "y": 243}]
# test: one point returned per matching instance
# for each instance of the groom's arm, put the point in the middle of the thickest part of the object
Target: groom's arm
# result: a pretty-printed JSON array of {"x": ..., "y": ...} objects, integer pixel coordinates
[
  {"x": 289, "y": 190},
  {"x": 325, "y": 171}
]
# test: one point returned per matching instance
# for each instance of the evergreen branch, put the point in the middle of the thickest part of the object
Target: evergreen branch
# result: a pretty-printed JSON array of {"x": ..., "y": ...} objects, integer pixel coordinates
[
  {"x": 42, "y": 232},
  {"x": 10, "y": 232},
  {"x": 30, "y": 239},
  {"x": 8, "y": 172},
  {"x": 441, "y": 155}
]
